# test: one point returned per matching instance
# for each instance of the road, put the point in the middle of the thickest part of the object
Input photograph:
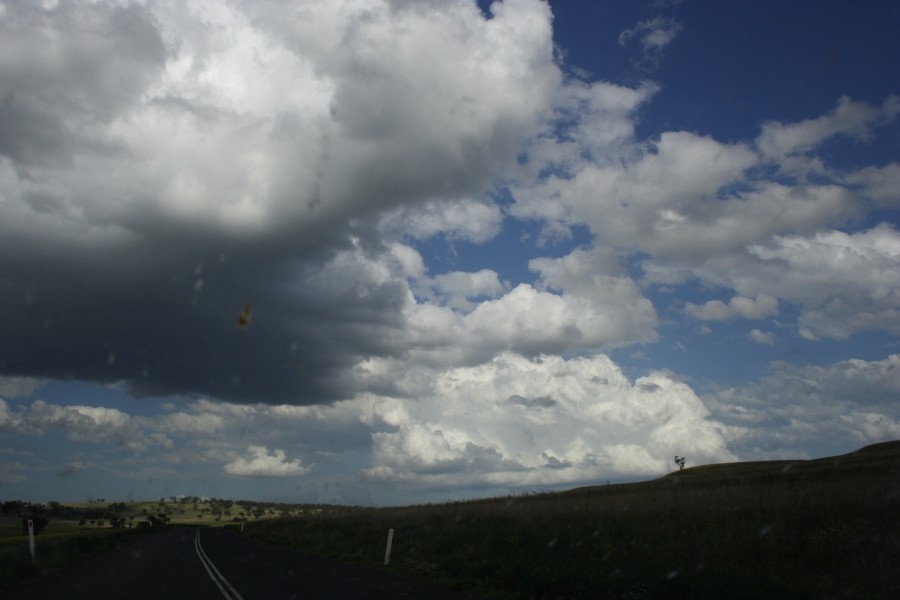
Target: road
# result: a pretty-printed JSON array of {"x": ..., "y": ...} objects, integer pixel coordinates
[{"x": 215, "y": 564}]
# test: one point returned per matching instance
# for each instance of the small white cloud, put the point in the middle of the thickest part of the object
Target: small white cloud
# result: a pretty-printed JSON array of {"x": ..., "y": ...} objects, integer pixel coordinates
[
  {"x": 854, "y": 119},
  {"x": 653, "y": 35},
  {"x": 737, "y": 307},
  {"x": 762, "y": 337},
  {"x": 460, "y": 288},
  {"x": 15, "y": 387},
  {"x": 262, "y": 464},
  {"x": 473, "y": 221}
]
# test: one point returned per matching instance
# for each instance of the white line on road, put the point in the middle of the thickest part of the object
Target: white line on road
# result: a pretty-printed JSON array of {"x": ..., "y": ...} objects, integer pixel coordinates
[{"x": 226, "y": 588}]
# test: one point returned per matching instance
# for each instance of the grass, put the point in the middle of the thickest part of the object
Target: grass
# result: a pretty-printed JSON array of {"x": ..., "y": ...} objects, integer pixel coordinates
[
  {"x": 58, "y": 544},
  {"x": 787, "y": 529}
]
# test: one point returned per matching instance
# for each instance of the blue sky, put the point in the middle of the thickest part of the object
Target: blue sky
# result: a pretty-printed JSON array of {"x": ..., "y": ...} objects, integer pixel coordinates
[{"x": 475, "y": 248}]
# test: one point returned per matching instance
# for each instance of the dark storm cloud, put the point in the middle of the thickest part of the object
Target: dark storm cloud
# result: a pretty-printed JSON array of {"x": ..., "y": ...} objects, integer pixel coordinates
[
  {"x": 173, "y": 328},
  {"x": 161, "y": 168}
]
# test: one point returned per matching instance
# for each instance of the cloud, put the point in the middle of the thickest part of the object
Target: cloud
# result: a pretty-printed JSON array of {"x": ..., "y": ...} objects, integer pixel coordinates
[
  {"x": 460, "y": 288},
  {"x": 850, "y": 118},
  {"x": 468, "y": 220},
  {"x": 263, "y": 464},
  {"x": 92, "y": 424},
  {"x": 812, "y": 410},
  {"x": 161, "y": 167},
  {"x": 547, "y": 421},
  {"x": 847, "y": 282},
  {"x": 879, "y": 184},
  {"x": 653, "y": 35},
  {"x": 15, "y": 387},
  {"x": 687, "y": 207},
  {"x": 737, "y": 307},
  {"x": 762, "y": 337},
  {"x": 660, "y": 198}
]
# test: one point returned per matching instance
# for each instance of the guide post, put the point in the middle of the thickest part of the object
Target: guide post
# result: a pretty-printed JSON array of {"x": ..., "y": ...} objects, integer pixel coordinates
[
  {"x": 387, "y": 552},
  {"x": 31, "y": 539}
]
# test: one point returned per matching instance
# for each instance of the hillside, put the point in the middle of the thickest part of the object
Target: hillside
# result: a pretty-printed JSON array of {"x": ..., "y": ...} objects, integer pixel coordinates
[
  {"x": 824, "y": 528},
  {"x": 883, "y": 458}
]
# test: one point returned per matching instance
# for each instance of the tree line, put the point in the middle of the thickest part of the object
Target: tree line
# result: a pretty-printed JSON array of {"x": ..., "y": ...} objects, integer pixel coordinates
[{"x": 121, "y": 515}]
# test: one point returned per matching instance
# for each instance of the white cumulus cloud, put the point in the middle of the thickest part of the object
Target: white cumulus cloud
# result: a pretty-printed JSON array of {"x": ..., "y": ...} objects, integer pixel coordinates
[
  {"x": 737, "y": 307},
  {"x": 260, "y": 463},
  {"x": 516, "y": 422}
]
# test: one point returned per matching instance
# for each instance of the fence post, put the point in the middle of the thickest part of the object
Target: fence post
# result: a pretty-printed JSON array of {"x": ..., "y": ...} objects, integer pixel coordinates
[
  {"x": 387, "y": 552},
  {"x": 31, "y": 539}
]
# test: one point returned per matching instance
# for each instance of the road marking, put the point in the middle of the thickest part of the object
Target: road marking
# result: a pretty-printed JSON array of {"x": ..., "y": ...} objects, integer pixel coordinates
[{"x": 226, "y": 588}]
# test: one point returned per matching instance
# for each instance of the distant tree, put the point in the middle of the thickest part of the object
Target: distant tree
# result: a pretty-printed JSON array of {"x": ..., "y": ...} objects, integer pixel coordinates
[
  {"x": 680, "y": 460},
  {"x": 10, "y": 507},
  {"x": 117, "y": 522}
]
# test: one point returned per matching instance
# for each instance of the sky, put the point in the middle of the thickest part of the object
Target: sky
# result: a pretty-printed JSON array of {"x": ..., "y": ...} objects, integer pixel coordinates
[{"x": 390, "y": 252}]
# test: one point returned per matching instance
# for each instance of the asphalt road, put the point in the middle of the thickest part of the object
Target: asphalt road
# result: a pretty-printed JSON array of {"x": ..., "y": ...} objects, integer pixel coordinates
[{"x": 215, "y": 564}]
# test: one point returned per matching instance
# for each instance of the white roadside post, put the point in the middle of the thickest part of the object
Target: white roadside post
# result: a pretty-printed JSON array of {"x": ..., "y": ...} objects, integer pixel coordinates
[
  {"x": 387, "y": 552},
  {"x": 31, "y": 539},
  {"x": 242, "y": 526}
]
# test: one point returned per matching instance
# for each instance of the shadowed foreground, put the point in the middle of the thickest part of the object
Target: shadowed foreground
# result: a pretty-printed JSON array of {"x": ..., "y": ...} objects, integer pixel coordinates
[{"x": 167, "y": 565}]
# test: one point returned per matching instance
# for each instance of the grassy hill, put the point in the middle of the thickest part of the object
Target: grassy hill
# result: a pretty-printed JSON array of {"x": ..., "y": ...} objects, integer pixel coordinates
[{"x": 826, "y": 528}]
